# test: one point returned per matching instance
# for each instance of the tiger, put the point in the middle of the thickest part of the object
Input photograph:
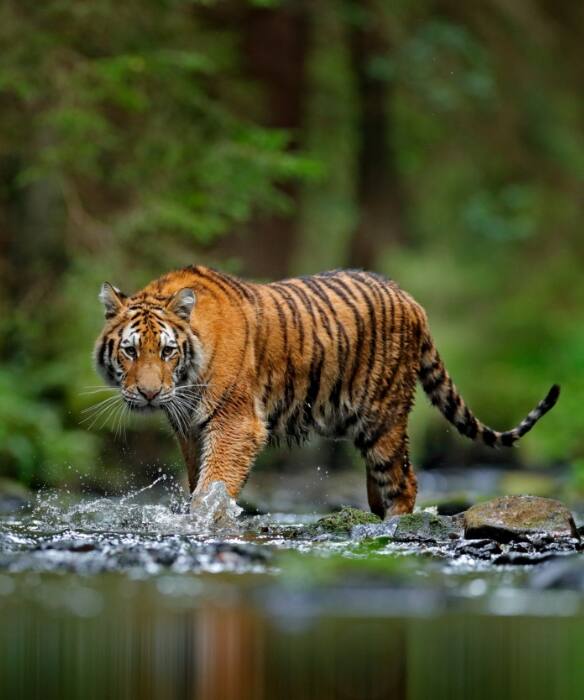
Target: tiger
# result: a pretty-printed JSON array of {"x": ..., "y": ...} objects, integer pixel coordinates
[{"x": 236, "y": 365}]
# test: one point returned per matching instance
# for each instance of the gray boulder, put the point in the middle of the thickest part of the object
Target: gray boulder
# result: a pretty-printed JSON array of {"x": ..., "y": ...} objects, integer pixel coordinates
[{"x": 518, "y": 517}]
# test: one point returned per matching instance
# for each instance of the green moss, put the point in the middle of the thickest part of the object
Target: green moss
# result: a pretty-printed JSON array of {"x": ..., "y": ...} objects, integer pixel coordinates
[{"x": 344, "y": 520}]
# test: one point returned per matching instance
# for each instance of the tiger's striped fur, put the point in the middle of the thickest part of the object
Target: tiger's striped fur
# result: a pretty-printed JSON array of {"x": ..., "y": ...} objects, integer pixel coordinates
[{"x": 337, "y": 353}]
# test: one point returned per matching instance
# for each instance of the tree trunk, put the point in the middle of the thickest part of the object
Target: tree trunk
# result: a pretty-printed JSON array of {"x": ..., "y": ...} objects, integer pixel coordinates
[
  {"x": 274, "y": 45},
  {"x": 380, "y": 200}
]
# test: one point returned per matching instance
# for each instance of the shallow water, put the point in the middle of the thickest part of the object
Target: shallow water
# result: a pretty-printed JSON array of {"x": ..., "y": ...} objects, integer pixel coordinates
[{"x": 135, "y": 596}]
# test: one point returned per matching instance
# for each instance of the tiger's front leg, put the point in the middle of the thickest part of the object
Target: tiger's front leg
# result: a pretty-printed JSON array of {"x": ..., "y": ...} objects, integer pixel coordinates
[
  {"x": 229, "y": 445},
  {"x": 190, "y": 452}
]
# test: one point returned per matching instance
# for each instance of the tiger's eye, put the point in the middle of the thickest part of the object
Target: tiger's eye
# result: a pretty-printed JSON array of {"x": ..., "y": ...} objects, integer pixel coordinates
[
  {"x": 131, "y": 352},
  {"x": 167, "y": 352}
]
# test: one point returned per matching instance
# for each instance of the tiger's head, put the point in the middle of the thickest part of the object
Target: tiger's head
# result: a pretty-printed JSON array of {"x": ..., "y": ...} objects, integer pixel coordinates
[{"x": 148, "y": 349}]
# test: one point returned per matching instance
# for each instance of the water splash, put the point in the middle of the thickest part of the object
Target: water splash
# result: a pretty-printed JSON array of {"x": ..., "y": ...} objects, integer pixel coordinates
[
  {"x": 211, "y": 513},
  {"x": 215, "y": 507}
]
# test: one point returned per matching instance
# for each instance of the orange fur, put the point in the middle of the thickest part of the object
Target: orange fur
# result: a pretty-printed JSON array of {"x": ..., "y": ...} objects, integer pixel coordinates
[{"x": 338, "y": 354}]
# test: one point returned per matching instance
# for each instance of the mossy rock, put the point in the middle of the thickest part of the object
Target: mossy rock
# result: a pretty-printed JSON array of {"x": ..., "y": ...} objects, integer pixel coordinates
[
  {"x": 426, "y": 526},
  {"x": 413, "y": 527},
  {"x": 515, "y": 517},
  {"x": 343, "y": 521}
]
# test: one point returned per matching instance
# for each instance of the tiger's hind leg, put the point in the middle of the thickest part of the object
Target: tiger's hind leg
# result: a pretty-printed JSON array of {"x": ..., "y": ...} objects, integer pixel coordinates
[{"x": 391, "y": 483}]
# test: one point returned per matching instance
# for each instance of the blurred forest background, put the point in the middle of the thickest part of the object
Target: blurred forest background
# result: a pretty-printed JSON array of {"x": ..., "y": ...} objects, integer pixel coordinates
[{"x": 437, "y": 141}]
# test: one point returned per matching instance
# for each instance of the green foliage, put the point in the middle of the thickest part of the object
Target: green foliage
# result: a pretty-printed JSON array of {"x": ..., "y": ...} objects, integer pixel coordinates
[
  {"x": 33, "y": 437},
  {"x": 578, "y": 476},
  {"x": 134, "y": 139},
  {"x": 150, "y": 106}
]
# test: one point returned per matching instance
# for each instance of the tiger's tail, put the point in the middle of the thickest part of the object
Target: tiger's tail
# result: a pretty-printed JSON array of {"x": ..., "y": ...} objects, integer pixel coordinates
[{"x": 443, "y": 393}]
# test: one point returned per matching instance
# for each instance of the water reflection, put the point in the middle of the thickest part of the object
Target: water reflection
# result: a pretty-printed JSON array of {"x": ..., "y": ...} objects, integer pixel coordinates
[{"x": 209, "y": 638}]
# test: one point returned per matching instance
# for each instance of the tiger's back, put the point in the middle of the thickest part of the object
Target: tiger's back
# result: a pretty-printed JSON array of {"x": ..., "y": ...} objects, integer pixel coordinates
[
  {"x": 338, "y": 353},
  {"x": 334, "y": 352}
]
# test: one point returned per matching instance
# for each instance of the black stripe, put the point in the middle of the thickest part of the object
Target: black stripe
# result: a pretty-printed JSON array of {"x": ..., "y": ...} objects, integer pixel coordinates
[
  {"x": 394, "y": 370},
  {"x": 267, "y": 390},
  {"x": 282, "y": 321},
  {"x": 314, "y": 378},
  {"x": 372, "y": 344},
  {"x": 332, "y": 284},
  {"x": 101, "y": 354},
  {"x": 349, "y": 422},
  {"x": 339, "y": 279},
  {"x": 226, "y": 289},
  {"x": 425, "y": 372},
  {"x": 379, "y": 292},
  {"x": 107, "y": 359},
  {"x": 388, "y": 463},
  {"x": 427, "y": 345},
  {"x": 343, "y": 343},
  {"x": 307, "y": 302},
  {"x": 240, "y": 288},
  {"x": 260, "y": 335},
  {"x": 367, "y": 441},
  {"x": 291, "y": 303},
  {"x": 430, "y": 386},
  {"x": 289, "y": 386},
  {"x": 379, "y": 394},
  {"x": 489, "y": 437},
  {"x": 470, "y": 425},
  {"x": 286, "y": 401},
  {"x": 450, "y": 406},
  {"x": 319, "y": 297}
]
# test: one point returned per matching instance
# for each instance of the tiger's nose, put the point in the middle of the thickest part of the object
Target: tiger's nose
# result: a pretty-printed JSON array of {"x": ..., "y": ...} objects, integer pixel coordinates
[{"x": 149, "y": 394}]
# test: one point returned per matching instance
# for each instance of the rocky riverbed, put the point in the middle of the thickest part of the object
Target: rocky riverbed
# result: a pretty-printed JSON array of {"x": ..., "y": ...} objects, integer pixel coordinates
[{"x": 90, "y": 537}]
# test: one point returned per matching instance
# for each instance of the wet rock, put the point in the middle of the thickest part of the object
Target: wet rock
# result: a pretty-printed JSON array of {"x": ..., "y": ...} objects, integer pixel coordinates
[
  {"x": 164, "y": 557},
  {"x": 414, "y": 527},
  {"x": 523, "y": 558},
  {"x": 67, "y": 545},
  {"x": 343, "y": 521},
  {"x": 547, "y": 543},
  {"x": 477, "y": 549},
  {"x": 426, "y": 526},
  {"x": 517, "y": 517},
  {"x": 249, "y": 553}
]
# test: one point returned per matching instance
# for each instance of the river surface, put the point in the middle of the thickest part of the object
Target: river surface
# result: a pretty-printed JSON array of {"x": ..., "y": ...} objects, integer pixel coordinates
[{"x": 136, "y": 597}]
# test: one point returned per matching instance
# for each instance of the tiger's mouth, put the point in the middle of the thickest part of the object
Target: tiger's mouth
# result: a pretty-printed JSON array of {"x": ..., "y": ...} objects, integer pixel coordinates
[
  {"x": 141, "y": 401},
  {"x": 179, "y": 404}
]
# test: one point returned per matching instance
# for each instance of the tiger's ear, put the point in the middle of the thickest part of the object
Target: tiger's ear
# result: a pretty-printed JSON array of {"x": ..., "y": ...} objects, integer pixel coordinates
[
  {"x": 182, "y": 303},
  {"x": 112, "y": 299}
]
